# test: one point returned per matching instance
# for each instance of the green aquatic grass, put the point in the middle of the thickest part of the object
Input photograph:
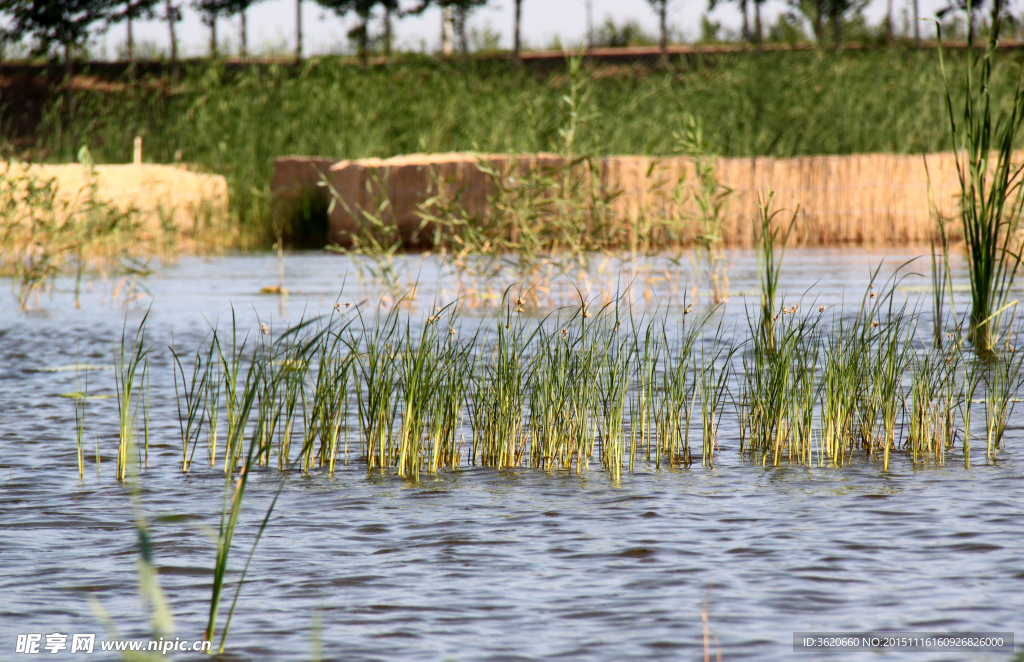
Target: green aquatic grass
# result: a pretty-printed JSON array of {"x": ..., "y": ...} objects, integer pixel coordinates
[
  {"x": 613, "y": 384},
  {"x": 984, "y": 135},
  {"x": 81, "y": 401},
  {"x": 712, "y": 388},
  {"x": 231, "y": 359},
  {"x": 646, "y": 351},
  {"x": 1002, "y": 378},
  {"x": 191, "y": 416},
  {"x": 501, "y": 394},
  {"x": 377, "y": 383},
  {"x": 131, "y": 365},
  {"x": 584, "y": 384},
  {"x": 679, "y": 388}
]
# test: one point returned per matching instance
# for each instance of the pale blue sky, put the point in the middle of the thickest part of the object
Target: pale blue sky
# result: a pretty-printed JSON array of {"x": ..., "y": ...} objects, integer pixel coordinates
[{"x": 272, "y": 23}]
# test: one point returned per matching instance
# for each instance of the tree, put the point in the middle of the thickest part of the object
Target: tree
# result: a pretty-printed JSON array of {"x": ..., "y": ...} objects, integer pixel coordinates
[
  {"x": 661, "y": 7},
  {"x": 838, "y": 12},
  {"x": 758, "y": 29},
  {"x": 239, "y": 8},
  {"x": 745, "y": 30},
  {"x": 460, "y": 11},
  {"x": 210, "y": 11},
  {"x": 298, "y": 30},
  {"x": 130, "y": 11},
  {"x": 815, "y": 11},
  {"x": 515, "y": 37},
  {"x": 67, "y": 23},
  {"x": 364, "y": 10},
  {"x": 172, "y": 14}
]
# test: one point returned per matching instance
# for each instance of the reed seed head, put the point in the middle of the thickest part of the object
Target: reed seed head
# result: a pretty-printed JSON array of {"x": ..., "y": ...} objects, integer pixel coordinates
[
  {"x": 689, "y": 309},
  {"x": 264, "y": 329},
  {"x": 821, "y": 309},
  {"x": 874, "y": 323}
]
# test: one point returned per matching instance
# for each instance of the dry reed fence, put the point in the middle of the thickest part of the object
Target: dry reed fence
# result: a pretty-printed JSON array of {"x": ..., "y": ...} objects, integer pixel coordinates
[
  {"x": 162, "y": 196},
  {"x": 864, "y": 199}
]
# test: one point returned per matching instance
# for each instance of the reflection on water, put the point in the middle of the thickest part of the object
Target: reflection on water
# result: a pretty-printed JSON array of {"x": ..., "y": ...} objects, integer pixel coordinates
[{"x": 478, "y": 564}]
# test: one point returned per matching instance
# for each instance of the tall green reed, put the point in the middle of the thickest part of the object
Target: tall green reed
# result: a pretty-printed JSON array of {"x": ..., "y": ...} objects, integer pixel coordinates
[
  {"x": 500, "y": 395},
  {"x": 231, "y": 359},
  {"x": 679, "y": 388},
  {"x": 614, "y": 379},
  {"x": 234, "y": 491},
  {"x": 455, "y": 365},
  {"x": 1002, "y": 378},
  {"x": 378, "y": 347},
  {"x": 646, "y": 353},
  {"x": 712, "y": 388},
  {"x": 991, "y": 195},
  {"x": 564, "y": 394},
  {"x": 130, "y": 366}
]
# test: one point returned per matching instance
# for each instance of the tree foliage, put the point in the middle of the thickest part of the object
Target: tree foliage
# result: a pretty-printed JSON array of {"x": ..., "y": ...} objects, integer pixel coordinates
[
  {"x": 68, "y": 23},
  {"x": 364, "y": 10}
]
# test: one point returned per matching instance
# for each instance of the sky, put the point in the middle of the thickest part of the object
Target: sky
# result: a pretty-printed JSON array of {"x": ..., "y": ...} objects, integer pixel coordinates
[{"x": 272, "y": 24}]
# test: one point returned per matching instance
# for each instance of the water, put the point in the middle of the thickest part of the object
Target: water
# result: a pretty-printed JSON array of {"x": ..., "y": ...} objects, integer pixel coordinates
[{"x": 478, "y": 564}]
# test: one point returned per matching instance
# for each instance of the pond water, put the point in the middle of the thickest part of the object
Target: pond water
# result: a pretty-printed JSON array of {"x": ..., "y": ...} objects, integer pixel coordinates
[{"x": 478, "y": 564}]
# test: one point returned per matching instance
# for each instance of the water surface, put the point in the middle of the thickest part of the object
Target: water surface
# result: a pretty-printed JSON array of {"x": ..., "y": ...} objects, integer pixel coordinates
[{"x": 479, "y": 564}]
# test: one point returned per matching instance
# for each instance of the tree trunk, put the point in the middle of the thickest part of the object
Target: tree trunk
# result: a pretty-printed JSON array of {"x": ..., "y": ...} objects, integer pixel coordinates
[
  {"x": 888, "y": 24},
  {"x": 590, "y": 23},
  {"x": 447, "y": 31},
  {"x": 837, "y": 24},
  {"x": 213, "y": 35},
  {"x": 171, "y": 14},
  {"x": 364, "y": 46},
  {"x": 244, "y": 50},
  {"x": 131, "y": 40},
  {"x": 819, "y": 22},
  {"x": 461, "y": 16},
  {"x": 515, "y": 38},
  {"x": 746, "y": 25},
  {"x": 758, "y": 32},
  {"x": 298, "y": 30},
  {"x": 917, "y": 22},
  {"x": 389, "y": 34},
  {"x": 663, "y": 25}
]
